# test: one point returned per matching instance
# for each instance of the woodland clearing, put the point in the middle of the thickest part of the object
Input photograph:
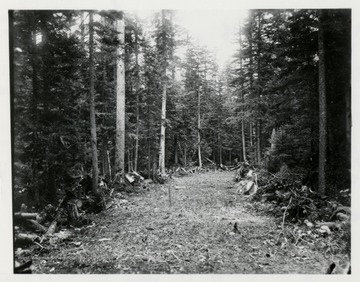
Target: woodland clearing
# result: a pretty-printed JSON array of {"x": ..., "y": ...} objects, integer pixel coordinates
[{"x": 143, "y": 233}]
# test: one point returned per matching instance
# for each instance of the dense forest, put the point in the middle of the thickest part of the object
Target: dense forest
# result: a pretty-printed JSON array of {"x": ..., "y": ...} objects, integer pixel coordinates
[
  {"x": 99, "y": 93},
  {"x": 103, "y": 99}
]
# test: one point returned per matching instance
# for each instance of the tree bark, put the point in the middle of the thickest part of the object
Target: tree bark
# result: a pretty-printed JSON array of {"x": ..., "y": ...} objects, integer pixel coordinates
[
  {"x": 176, "y": 157},
  {"x": 163, "y": 100},
  {"x": 258, "y": 141},
  {"x": 148, "y": 141},
  {"x": 199, "y": 126},
  {"x": 94, "y": 153},
  {"x": 185, "y": 155},
  {"x": 251, "y": 134},
  {"x": 25, "y": 215},
  {"x": 120, "y": 99},
  {"x": 322, "y": 108},
  {"x": 82, "y": 29},
  {"x": 162, "y": 130},
  {"x": 35, "y": 91},
  {"x": 83, "y": 110},
  {"x": 251, "y": 87},
  {"x": 242, "y": 100},
  {"x": 220, "y": 149},
  {"x": 104, "y": 151},
  {"x": 258, "y": 123},
  {"x": 137, "y": 114}
]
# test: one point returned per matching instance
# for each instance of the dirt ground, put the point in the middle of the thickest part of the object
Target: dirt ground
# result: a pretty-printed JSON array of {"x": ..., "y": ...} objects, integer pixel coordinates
[{"x": 143, "y": 233}]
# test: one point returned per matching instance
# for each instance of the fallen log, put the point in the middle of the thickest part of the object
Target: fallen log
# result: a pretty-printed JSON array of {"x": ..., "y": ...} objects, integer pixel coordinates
[
  {"x": 36, "y": 226},
  {"x": 269, "y": 196},
  {"x": 22, "y": 268},
  {"x": 250, "y": 189},
  {"x": 235, "y": 167},
  {"x": 23, "y": 239},
  {"x": 210, "y": 161},
  {"x": 130, "y": 178},
  {"x": 331, "y": 225},
  {"x": 25, "y": 215},
  {"x": 342, "y": 209},
  {"x": 52, "y": 228},
  {"x": 47, "y": 214}
]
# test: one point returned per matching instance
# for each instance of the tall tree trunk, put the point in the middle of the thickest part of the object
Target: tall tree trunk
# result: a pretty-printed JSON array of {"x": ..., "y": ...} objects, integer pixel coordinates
[
  {"x": 322, "y": 107},
  {"x": 251, "y": 135},
  {"x": 104, "y": 151},
  {"x": 106, "y": 169},
  {"x": 149, "y": 163},
  {"x": 83, "y": 110},
  {"x": 136, "y": 86},
  {"x": 35, "y": 91},
  {"x": 199, "y": 126},
  {"x": 163, "y": 99},
  {"x": 162, "y": 130},
  {"x": 120, "y": 98},
  {"x": 153, "y": 165},
  {"x": 243, "y": 141},
  {"x": 258, "y": 123},
  {"x": 348, "y": 118},
  {"x": 176, "y": 157},
  {"x": 220, "y": 149},
  {"x": 251, "y": 88},
  {"x": 148, "y": 140},
  {"x": 82, "y": 29},
  {"x": 185, "y": 155},
  {"x": 214, "y": 152},
  {"x": 129, "y": 154},
  {"x": 258, "y": 141},
  {"x": 242, "y": 100},
  {"x": 94, "y": 153}
]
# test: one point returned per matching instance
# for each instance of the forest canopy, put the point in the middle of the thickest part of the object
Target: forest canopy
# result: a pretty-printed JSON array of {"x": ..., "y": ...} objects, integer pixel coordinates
[{"x": 100, "y": 93}]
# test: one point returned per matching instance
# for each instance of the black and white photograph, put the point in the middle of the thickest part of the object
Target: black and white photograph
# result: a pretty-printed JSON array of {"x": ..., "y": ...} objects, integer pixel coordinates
[{"x": 180, "y": 140}]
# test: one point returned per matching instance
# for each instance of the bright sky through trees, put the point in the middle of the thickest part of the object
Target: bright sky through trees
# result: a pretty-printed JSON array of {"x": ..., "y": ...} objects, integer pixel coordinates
[{"x": 216, "y": 29}]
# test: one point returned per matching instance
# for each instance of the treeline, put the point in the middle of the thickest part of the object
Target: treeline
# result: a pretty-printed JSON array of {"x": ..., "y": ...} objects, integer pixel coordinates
[
  {"x": 71, "y": 119},
  {"x": 293, "y": 65}
]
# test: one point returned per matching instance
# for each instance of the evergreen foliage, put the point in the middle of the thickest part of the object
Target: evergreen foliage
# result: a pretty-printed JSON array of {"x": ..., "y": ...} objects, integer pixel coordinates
[{"x": 271, "y": 86}]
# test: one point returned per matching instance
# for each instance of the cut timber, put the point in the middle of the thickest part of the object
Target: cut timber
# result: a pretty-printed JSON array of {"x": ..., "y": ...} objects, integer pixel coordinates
[
  {"x": 63, "y": 234},
  {"x": 138, "y": 176},
  {"x": 52, "y": 228},
  {"x": 25, "y": 215},
  {"x": 251, "y": 188},
  {"x": 53, "y": 224},
  {"x": 331, "y": 225},
  {"x": 343, "y": 209},
  {"x": 36, "y": 226},
  {"x": 210, "y": 161},
  {"x": 23, "y": 239},
  {"x": 130, "y": 178},
  {"x": 269, "y": 197},
  {"x": 23, "y": 268}
]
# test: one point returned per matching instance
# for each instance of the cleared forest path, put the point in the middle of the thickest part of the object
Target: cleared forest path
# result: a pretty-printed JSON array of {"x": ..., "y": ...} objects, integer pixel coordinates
[{"x": 143, "y": 234}]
